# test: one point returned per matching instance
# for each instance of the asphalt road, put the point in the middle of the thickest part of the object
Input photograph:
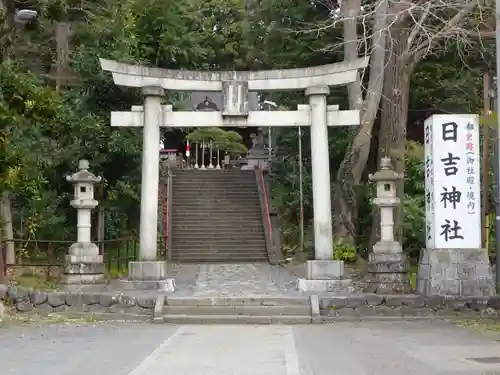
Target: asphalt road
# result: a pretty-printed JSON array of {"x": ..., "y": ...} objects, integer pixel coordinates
[{"x": 366, "y": 348}]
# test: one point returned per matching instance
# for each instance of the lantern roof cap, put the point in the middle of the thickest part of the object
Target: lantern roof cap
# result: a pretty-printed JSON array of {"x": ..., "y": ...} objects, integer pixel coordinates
[
  {"x": 83, "y": 174},
  {"x": 385, "y": 173}
]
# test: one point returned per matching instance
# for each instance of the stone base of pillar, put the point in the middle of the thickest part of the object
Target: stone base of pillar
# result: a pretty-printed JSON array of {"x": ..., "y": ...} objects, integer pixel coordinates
[
  {"x": 455, "y": 272},
  {"x": 387, "y": 270},
  {"x": 148, "y": 275},
  {"x": 83, "y": 265},
  {"x": 325, "y": 276},
  {"x": 344, "y": 286}
]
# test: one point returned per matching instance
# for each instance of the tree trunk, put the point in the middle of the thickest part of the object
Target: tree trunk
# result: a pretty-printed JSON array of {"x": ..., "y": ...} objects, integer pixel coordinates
[
  {"x": 352, "y": 167},
  {"x": 6, "y": 220},
  {"x": 3, "y": 275},
  {"x": 394, "y": 117}
]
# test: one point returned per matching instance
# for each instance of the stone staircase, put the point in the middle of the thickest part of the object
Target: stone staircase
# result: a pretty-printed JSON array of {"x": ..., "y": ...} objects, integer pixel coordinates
[
  {"x": 236, "y": 310},
  {"x": 216, "y": 217}
]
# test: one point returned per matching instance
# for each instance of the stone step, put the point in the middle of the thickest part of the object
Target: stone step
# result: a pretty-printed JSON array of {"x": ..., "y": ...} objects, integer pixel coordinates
[
  {"x": 231, "y": 228},
  {"x": 214, "y": 242},
  {"x": 236, "y": 300},
  {"x": 236, "y": 319},
  {"x": 196, "y": 237},
  {"x": 292, "y": 310},
  {"x": 213, "y": 173},
  {"x": 188, "y": 258},
  {"x": 216, "y": 209},
  {"x": 216, "y": 212},
  {"x": 218, "y": 261},
  {"x": 200, "y": 195},
  {"x": 215, "y": 176},
  {"x": 221, "y": 183},
  {"x": 219, "y": 250},
  {"x": 216, "y": 195},
  {"x": 218, "y": 201},
  {"x": 211, "y": 186},
  {"x": 217, "y": 225},
  {"x": 233, "y": 243},
  {"x": 242, "y": 180},
  {"x": 206, "y": 253},
  {"x": 220, "y": 204},
  {"x": 249, "y": 255},
  {"x": 191, "y": 220},
  {"x": 232, "y": 238},
  {"x": 209, "y": 234}
]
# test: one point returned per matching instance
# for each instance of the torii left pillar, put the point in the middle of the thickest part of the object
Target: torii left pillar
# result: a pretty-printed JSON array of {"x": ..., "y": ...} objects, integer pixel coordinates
[{"x": 148, "y": 272}]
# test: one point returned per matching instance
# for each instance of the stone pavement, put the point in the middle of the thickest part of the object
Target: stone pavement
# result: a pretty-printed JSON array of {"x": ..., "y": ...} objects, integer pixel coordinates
[
  {"x": 220, "y": 279},
  {"x": 364, "y": 348}
]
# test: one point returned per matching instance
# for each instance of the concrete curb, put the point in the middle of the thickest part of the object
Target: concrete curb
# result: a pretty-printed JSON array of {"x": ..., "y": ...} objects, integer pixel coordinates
[
  {"x": 158, "y": 309},
  {"x": 315, "y": 311}
]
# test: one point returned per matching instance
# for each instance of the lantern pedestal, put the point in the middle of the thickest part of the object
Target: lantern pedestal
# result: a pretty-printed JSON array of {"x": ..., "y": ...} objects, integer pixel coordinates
[
  {"x": 387, "y": 270},
  {"x": 387, "y": 264},
  {"x": 457, "y": 272},
  {"x": 83, "y": 265}
]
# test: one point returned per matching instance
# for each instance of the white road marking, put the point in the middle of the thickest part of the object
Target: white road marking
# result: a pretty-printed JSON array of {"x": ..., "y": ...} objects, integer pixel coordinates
[
  {"x": 155, "y": 355},
  {"x": 291, "y": 357}
]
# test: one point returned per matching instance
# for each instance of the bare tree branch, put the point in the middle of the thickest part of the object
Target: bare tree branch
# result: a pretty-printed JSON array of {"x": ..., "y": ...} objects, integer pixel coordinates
[{"x": 449, "y": 29}]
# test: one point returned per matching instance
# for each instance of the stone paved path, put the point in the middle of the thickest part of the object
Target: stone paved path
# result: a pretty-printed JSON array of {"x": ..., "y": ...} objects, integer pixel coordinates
[
  {"x": 366, "y": 348},
  {"x": 243, "y": 279}
]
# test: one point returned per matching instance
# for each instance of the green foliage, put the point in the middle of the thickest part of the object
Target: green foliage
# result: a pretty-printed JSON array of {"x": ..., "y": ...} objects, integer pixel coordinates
[
  {"x": 344, "y": 252},
  {"x": 225, "y": 140},
  {"x": 414, "y": 202}
]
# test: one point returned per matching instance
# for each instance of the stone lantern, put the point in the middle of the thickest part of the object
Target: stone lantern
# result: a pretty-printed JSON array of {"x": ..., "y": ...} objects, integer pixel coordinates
[
  {"x": 84, "y": 264},
  {"x": 387, "y": 264}
]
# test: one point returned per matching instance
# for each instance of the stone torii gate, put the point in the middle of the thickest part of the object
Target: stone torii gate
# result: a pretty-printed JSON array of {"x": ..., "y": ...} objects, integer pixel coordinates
[{"x": 235, "y": 87}]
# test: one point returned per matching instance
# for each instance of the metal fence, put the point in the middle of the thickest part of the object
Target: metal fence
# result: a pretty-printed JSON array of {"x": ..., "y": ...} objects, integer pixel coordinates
[{"x": 50, "y": 254}]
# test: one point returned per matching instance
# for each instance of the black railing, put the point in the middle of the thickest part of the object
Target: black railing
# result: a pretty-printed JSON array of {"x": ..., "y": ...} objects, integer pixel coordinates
[{"x": 50, "y": 254}]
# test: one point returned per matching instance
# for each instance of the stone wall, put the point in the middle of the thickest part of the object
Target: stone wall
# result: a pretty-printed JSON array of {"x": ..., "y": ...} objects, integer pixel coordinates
[
  {"x": 46, "y": 302},
  {"x": 119, "y": 305},
  {"x": 408, "y": 306}
]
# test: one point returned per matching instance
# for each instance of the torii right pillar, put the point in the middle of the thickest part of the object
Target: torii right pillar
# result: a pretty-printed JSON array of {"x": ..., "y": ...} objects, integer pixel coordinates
[{"x": 323, "y": 273}]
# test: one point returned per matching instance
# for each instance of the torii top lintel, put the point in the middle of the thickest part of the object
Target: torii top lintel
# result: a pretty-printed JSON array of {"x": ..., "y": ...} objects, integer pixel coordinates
[{"x": 336, "y": 74}]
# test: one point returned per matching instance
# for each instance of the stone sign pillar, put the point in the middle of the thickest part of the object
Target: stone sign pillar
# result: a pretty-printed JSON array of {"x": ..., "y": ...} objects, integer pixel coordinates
[
  {"x": 453, "y": 262},
  {"x": 84, "y": 264},
  {"x": 387, "y": 264},
  {"x": 323, "y": 273}
]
